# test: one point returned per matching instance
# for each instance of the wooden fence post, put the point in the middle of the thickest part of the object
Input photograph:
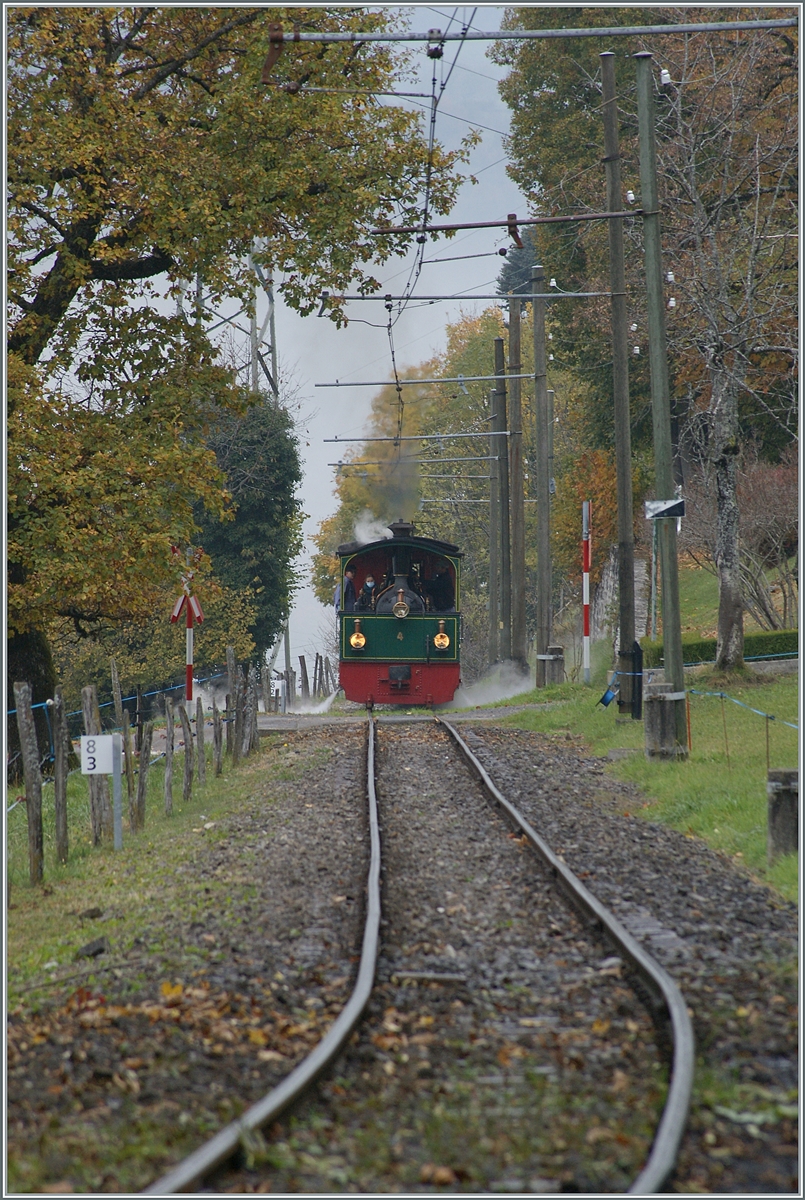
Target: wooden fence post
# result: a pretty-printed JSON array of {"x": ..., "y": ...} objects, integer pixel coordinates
[
  {"x": 254, "y": 728},
  {"x": 168, "y": 790},
  {"x": 187, "y": 782},
  {"x": 231, "y": 671},
  {"x": 116, "y": 694},
  {"x": 248, "y": 701},
  {"x": 128, "y": 755},
  {"x": 265, "y": 681},
  {"x": 202, "y": 758},
  {"x": 230, "y": 731},
  {"x": 107, "y": 817},
  {"x": 94, "y": 781},
  {"x": 328, "y": 675},
  {"x": 237, "y": 743},
  {"x": 61, "y": 754},
  {"x": 217, "y": 739},
  {"x": 33, "y": 780},
  {"x": 142, "y": 782},
  {"x": 303, "y": 679},
  {"x": 138, "y": 720}
]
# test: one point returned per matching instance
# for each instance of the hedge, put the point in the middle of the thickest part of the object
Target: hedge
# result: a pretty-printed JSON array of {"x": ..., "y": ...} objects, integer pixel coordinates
[{"x": 702, "y": 650}]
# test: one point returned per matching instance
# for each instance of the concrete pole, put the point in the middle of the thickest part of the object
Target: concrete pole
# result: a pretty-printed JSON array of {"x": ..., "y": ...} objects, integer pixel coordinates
[
  {"x": 272, "y": 329},
  {"x": 620, "y": 388},
  {"x": 505, "y": 643},
  {"x": 660, "y": 396},
  {"x": 518, "y": 647},
  {"x": 255, "y": 377},
  {"x": 494, "y": 536},
  {"x": 288, "y": 691},
  {"x": 542, "y": 471}
]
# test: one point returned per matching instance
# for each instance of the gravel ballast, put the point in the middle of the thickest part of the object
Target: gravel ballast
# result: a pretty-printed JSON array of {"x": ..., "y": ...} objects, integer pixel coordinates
[{"x": 504, "y": 1048}]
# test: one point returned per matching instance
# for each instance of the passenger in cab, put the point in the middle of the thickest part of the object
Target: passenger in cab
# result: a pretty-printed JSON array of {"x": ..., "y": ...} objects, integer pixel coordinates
[
  {"x": 366, "y": 600},
  {"x": 350, "y": 596}
]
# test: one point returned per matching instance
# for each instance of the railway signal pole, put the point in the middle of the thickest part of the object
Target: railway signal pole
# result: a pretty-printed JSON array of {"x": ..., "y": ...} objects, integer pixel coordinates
[
  {"x": 660, "y": 400},
  {"x": 194, "y": 615}
]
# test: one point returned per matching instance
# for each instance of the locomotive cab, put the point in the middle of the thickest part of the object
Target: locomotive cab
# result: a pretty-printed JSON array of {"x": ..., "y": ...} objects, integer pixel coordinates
[{"x": 400, "y": 643}]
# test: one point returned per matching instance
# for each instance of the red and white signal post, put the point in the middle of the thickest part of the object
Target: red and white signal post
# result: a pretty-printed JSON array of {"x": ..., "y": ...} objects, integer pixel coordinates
[
  {"x": 194, "y": 616},
  {"x": 585, "y": 585}
]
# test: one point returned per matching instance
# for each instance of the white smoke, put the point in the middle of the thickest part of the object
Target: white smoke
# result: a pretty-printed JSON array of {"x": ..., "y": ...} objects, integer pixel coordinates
[
  {"x": 500, "y": 682},
  {"x": 369, "y": 529},
  {"x": 313, "y": 707}
]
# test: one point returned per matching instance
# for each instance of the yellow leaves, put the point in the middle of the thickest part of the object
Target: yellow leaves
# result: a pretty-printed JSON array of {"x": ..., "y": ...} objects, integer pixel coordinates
[
  {"x": 172, "y": 993},
  {"x": 600, "y": 1026},
  {"x": 257, "y": 1037}
]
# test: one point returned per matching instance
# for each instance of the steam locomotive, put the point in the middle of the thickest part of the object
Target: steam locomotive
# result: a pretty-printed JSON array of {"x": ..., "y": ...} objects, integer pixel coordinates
[{"x": 399, "y": 638}]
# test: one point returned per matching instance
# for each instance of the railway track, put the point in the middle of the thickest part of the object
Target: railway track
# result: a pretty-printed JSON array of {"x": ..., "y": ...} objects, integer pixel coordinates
[{"x": 409, "y": 969}]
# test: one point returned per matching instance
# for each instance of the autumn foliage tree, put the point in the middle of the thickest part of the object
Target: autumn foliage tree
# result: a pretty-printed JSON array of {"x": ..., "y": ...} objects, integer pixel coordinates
[
  {"x": 727, "y": 144},
  {"x": 144, "y": 153}
]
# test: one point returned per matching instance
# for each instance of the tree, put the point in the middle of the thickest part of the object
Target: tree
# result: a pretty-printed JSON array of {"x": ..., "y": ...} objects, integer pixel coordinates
[
  {"x": 254, "y": 552},
  {"x": 142, "y": 144},
  {"x": 143, "y": 153},
  {"x": 727, "y": 145}
]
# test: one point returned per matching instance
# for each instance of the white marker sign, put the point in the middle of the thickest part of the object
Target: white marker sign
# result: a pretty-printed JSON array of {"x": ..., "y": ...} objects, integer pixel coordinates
[{"x": 96, "y": 754}]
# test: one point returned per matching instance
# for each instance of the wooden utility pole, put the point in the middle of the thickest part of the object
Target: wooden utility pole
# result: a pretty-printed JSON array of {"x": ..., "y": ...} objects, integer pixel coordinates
[
  {"x": 660, "y": 398},
  {"x": 620, "y": 390},
  {"x": 502, "y": 451},
  {"x": 494, "y": 535},
  {"x": 517, "y": 493},
  {"x": 542, "y": 471}
]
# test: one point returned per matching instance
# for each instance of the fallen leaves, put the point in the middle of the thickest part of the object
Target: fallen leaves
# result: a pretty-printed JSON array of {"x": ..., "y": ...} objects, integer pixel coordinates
[{"x": 441, "y": 1176}]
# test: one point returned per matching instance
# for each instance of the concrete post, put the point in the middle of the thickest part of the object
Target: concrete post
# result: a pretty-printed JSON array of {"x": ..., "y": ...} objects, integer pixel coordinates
[{"x": 782, "y": 790}]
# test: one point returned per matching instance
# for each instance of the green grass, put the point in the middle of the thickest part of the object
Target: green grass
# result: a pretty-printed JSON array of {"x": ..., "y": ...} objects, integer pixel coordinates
[
  {"x": 698, "y": 602},
  {"x": 705, "y": 796},
  {"x": 132, "y": 884}
]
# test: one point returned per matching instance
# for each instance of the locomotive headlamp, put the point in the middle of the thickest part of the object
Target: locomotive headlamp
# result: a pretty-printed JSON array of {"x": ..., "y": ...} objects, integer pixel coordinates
[
  {"x": 358, "y": 640},
  {"x": 441, "y": 641},
  {"x": 401, "y": 609}
]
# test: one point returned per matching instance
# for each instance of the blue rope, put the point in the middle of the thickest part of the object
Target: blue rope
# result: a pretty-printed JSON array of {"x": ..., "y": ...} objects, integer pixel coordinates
[
  {"x": 748, "y": 707},
  {"x": 108, "y": 703}
]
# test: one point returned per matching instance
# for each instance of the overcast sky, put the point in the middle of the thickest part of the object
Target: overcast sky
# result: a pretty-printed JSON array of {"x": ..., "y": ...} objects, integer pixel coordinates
[{"x": 312, "y": 351}]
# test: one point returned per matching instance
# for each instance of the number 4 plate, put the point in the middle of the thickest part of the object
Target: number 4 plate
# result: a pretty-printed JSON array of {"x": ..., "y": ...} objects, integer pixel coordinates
[{"x": 96, "y": 754}]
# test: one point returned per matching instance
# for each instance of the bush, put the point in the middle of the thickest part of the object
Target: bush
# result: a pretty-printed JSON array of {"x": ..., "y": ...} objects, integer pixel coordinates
[{"x": 702, "y": 650}]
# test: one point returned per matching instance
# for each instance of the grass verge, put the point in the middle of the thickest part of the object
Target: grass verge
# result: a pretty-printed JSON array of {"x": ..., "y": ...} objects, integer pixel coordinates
[{"x": 135, "y": 886}]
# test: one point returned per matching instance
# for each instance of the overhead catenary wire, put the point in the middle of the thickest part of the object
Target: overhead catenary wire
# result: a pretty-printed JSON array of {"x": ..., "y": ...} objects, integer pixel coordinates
[
  {"x": 414, "y": 437},
  {"x": 435, "y": 36},
  {"x": 405, "y": 462}
]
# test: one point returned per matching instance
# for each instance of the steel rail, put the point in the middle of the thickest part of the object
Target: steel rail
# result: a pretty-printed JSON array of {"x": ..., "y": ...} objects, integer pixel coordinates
[
  {"x": 665, "y": 1146},
  {"x": 219, "y": 1148}
]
